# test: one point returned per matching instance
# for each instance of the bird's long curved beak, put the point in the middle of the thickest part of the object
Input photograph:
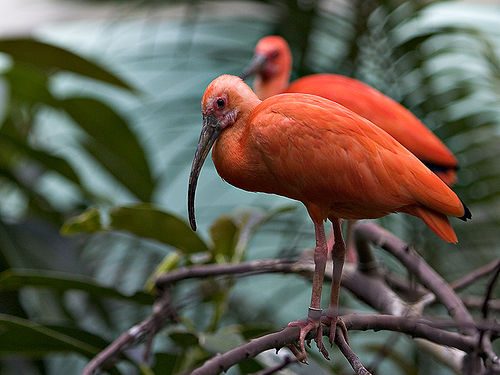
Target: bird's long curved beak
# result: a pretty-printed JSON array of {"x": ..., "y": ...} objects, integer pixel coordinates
[
  {"x": 254, "y": 66},
  {"x": 209, "y": 133}
]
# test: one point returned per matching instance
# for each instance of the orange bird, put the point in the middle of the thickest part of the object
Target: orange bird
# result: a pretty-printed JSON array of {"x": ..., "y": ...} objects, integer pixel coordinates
[
  {"x": 313, "y": 150},
  {"x": 272, "y": 65}
]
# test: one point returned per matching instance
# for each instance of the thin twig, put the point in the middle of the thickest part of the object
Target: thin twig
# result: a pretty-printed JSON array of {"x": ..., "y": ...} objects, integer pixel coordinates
[
  {"x": 371, "y": 290},
  {"x": 162, "y": 311},
  {"x": 241, "y": 269},
  {"x": 473, "y": 276},
  {"x": 484, "y": 342},
  {"x": 384, "y": 351},
  {"x": 414, "y": 327},
  {"x": 351, "y": 357},
  {"x": 489, "y": 291},
  {"x": 417, "y": 266},
  {"x": 287, "y": 361},
  {"x": 368, "y": 288},
  {"x": 476, "y": 302}
]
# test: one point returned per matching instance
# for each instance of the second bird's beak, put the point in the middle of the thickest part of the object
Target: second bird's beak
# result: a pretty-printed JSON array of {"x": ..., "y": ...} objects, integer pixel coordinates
[
  {"x": 209, "y": 133},
  {"x": 254, "y": 66}
]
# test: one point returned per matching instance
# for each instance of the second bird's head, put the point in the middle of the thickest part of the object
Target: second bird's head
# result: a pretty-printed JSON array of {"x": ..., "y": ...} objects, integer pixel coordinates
[
  {"x": 272, "y": 58},
  {"x": 223, "y": 103}
]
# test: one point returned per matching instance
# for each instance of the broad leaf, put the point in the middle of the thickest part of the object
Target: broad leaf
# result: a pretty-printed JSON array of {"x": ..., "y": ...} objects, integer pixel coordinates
[
  {"x": 112, "y": 143},
  {"x": 18, "y": 279},
  {"x": 20, "y": 336},
  {"x": 87, "y": 222},
  {"x": 224, "y": 233},
  {"x": 50, "y": 162},
  {"x": 184, "y": 339},
  {"x": 144, "y": 220},
  {"x": 223, "y": 340},
  {"x": 52, "y": 58},
  {"x": 29, "y": 85}
]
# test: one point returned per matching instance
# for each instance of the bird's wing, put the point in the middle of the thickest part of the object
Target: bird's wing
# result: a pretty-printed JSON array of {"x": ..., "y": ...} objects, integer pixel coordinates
[
  {"x": 383, "y": 111},
  {"x": 320, "y": 150}
]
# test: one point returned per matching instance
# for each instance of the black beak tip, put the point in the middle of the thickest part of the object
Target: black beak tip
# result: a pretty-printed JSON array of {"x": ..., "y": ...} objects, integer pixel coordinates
[
  {"x": 244, "y": 75},
  {"x": 192, "y": 223}
]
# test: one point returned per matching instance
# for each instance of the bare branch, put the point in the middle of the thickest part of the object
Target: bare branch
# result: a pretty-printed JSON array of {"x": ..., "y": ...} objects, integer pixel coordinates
[
  {"x": 414, "y": 327},
  {"x": 349, "y": 354},
  {"x": 476, "y": 302},
  {"x": 370, "y": 288},
  {"x": 478, "y": 273},
  {"x": 484, "y": 341},
  {"x": 287, "y": 361},
  {"x": 241, "y": 269},
  {"x": 162, "y": 311},
  {"x": 489, "y": 291},
  {"x": 417, "y": 266},
  {"x": 367, "y": 262}
]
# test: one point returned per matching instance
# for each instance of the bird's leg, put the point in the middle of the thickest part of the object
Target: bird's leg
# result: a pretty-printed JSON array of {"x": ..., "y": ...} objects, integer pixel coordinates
[
  {"x": 313, "y": 321},
  {"x": 352, "y": 255},
  {"x": 338, "y": 257}
]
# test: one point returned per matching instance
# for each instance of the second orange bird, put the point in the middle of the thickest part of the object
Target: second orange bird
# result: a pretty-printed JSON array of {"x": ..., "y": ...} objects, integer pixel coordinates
[
  {"x": 337, "y": 163},
  {"x": 272, "y": 65}
]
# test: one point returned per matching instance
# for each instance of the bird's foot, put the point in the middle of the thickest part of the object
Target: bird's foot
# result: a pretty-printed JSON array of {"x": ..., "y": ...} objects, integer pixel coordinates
[
  {"x": 336, "y": 321},
  {"x": 313, "y": 323}
]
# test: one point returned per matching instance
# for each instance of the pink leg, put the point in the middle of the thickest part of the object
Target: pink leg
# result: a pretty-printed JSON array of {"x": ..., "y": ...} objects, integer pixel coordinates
[
  {"x": 338, "y": 257},
  {"x": 314, "y": 315}
]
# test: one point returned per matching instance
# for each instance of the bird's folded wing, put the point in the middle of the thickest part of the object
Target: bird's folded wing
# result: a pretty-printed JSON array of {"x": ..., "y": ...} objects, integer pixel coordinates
[{"x": 320, "y": 148}]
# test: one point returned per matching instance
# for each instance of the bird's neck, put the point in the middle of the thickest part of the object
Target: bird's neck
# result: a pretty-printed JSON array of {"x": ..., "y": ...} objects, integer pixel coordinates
[
  {"x": 266, "y": 87},
  {"x": 230, "y": 153}
]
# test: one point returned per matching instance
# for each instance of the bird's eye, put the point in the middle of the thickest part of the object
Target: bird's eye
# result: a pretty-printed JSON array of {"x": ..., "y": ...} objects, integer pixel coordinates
[
  {"x": 274, "y": 55},
  {"x": 220, "y": 103}
]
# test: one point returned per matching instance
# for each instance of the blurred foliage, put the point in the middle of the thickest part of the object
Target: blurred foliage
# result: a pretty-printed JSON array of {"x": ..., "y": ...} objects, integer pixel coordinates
[{"x": 104, "y": 161}]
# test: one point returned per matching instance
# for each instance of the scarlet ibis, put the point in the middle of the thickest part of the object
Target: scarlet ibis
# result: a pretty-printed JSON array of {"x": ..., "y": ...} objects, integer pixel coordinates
[
  {"x": 313, "y": 150},
  {"x": 272, "y": 65}
]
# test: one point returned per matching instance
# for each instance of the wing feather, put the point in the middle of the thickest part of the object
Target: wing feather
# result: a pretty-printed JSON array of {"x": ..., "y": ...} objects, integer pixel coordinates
[{"x": 323, "y": 153}]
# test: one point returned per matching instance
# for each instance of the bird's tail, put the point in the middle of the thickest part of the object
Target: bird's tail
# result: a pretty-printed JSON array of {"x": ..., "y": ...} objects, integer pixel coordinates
[{"x": 437, "y": 222}]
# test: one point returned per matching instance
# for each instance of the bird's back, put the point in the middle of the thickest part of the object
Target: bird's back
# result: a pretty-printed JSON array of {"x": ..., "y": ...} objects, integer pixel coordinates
[
  {"x": 321, "y": 153},
  {"x": 385, "y": 113}
]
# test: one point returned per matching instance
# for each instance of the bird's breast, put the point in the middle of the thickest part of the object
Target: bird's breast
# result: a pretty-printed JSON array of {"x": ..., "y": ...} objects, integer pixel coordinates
[{"x": 238, "y": 165}]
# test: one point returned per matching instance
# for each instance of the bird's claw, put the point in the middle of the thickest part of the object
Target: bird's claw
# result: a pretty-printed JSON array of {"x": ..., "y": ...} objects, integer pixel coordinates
[
  {"x": 307, "y": 326},
  {"x": 336, "y": 322},
  {"x": 295, "y": 349}
]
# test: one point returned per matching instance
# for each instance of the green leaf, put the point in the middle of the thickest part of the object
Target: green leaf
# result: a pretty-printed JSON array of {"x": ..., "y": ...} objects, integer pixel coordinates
[
  {"x": 50, "y": 162},
  {"x": 250, "y": 222},
  {"x": 88, "y": 221},
  {"x": 224, "y": 233},
  {"x": 164, "y": 363},
  {"x": 20, "y": 336},
  {"x": 18, "y": 279},
  {"x": 252, "y": 331},
  {"x": 112, "y": 143},
  {"x": 28, "y": 85},
  {"x": 49, "y": 57},
  {"x": 80, "y": 334},
  {"x": 37, "y": 203},
  {"x": 184, "y": 339},
  {"x": 225, "y": 339},
  {"x": 169, "y": 263},
  {"x": 250, "y": 366},
  {"x": 144, "y": 220}
]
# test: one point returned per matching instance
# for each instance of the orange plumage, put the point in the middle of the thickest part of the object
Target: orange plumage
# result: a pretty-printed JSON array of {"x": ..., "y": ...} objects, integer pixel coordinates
[
  {"x": 334, "y": 161},
  {"x": 272, "y": 75}
]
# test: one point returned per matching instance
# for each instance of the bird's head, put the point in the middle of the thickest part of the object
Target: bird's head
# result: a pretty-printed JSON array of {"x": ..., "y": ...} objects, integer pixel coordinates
[
  {"x": 224, "y": 101},
  {"x": 272, "y": 58}
]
